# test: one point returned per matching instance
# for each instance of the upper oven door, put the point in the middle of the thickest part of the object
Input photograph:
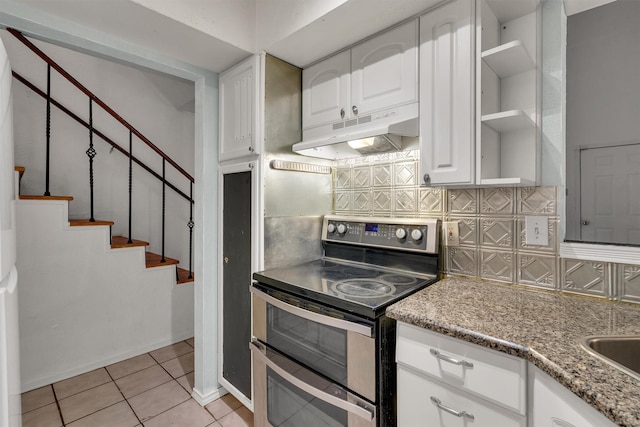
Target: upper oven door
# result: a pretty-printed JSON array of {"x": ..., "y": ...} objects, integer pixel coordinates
[{"x": 326, "y": 341}]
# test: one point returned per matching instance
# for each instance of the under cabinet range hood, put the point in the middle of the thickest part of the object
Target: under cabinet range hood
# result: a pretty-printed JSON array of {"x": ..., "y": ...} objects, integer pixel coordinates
[{"x": 379, "y": 132}]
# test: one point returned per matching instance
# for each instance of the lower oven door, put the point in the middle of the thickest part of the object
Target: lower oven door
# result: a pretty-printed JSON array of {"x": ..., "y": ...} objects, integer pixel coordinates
[
  {"x": 335, "y": 344},
  {"x": 288, "y": 395}
]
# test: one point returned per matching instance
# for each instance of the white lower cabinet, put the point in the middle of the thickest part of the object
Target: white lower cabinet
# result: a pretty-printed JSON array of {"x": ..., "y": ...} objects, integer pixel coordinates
[
  {"x": 444, "y": 381},
  {"x": 552, "y": 405},
  {"x": 448, "y": 382},
  {"x": 423, "y": 401}
]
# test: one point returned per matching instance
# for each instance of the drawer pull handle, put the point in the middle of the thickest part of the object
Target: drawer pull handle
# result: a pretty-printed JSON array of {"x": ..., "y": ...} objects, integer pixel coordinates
[
  {"x": 450, "y": 359},
  {"x": 452, "y": 411}
]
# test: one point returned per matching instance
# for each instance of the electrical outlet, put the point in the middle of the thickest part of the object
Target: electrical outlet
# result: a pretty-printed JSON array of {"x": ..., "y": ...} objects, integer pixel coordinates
[
  {"x": 536, "y": 229},
  {"x": 451, "y": 231}
]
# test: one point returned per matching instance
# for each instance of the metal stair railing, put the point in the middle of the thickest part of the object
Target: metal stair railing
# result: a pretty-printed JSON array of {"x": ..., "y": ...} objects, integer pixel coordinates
[{"x": 91, "y": 152}]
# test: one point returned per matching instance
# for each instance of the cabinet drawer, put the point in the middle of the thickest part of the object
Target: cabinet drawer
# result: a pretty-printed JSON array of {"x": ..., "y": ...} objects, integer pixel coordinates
[
  {"x": 494, "y": 376},
  {"x": 422, "y": 401}
]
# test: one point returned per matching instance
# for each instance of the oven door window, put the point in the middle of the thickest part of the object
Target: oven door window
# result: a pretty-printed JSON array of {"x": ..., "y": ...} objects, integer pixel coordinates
[
  {"x": 288, "y": 406},
  {"x": 320, "y": 347}
]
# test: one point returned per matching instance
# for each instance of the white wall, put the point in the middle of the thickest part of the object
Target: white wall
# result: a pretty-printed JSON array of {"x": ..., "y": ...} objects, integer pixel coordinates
[
  {"x": 145, "y": 100},
  {"x": 603, "y": 87},
  {"x": 84, "y": 305},
  {"x": 85, "y": 39}
]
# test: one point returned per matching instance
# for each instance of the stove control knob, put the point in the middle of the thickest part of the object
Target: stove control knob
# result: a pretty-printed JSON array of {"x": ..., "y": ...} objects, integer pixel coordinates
[
  {"x": 401, "y": 233},
  {"x": 342, "y": 228},
  {"x": 331, "y": 228},
  {"x": 416, "y": 234}
]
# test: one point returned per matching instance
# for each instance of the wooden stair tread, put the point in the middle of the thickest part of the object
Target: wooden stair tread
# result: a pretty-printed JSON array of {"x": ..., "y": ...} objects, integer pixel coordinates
[
  {"x": 154, "y": 260},
  {"x": 20, "y": 169},
  {"x": 123, "y": 242},
  {"x": 32, "y": 197},
  {"x": 87, "y": 223},
  {"x": 183, "y": 276}
]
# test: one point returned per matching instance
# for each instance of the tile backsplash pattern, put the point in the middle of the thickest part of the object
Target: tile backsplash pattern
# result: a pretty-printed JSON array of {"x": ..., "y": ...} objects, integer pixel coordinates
[{"x": 491, "y": 222}]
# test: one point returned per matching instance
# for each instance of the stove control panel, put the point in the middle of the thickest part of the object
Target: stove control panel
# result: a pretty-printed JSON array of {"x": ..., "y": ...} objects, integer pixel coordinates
[{"x": 416, "y": 235}]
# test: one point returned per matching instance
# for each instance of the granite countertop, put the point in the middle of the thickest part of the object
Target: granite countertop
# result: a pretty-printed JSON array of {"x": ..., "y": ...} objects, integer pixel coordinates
[{"x": 542, "y": 327}]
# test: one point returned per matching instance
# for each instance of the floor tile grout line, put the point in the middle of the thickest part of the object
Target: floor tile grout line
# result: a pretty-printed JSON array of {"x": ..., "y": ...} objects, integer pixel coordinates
[
  {"x": 123, "y": 396},
  {"x": 42, "y": 405},
  {"x": 130, "y": 373},
  {"x": 169, "y": 373},
  {"x": 176, "y": 381},
  {"x": 155, "y": 386},
  {"x": 168, "y": 409},
  {"x": 82, "y": 391},
  {"x": 156, "y": 362},
  {"x": 55, "y": 396},
  {"x": 102, "y": 409},
  {"x": 171, "y": 345}
]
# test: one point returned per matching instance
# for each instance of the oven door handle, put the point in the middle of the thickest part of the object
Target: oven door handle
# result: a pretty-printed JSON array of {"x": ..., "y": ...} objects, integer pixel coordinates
[
  {"x": 315, "y": 317},
  {"x": 352, "y": 408}
]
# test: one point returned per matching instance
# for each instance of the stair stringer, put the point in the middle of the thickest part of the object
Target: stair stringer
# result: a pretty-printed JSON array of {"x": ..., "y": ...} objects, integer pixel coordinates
[{"x": 84, "y": 305}]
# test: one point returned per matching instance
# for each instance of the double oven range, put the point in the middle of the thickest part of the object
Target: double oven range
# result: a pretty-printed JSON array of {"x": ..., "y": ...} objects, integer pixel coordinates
[{"x": 323, "y": 350}]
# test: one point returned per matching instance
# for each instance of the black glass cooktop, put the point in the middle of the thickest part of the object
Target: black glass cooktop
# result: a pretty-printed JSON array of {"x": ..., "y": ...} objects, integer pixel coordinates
[{"x": 359, "y": 288}]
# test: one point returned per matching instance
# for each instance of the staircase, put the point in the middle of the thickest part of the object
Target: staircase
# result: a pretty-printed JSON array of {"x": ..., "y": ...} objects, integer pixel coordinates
[
  {"x": 116, "y": 242},
  {"x": 144, "y": 149},
  {"x": 87, "y": 299}
]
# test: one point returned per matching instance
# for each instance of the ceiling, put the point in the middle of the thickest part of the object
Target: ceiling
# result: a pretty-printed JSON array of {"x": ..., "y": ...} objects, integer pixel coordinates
[
  {"x": 576, "y": 6},
  {"x": 216, "y": 34}
]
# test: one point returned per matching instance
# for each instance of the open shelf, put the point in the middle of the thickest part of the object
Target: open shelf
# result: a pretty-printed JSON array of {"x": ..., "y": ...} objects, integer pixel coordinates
[
  {"x": 507, "y": 121},
  {"x": 509, "y": 59},
  {"x": 506, "y": 182},
  {"x": 508, "y": 10},
  {"x": 509, "y": 54}
]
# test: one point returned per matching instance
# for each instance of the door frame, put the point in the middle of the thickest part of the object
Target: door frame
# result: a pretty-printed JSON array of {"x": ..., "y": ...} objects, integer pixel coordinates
[
  {"x": 574, "y": 201},
  {"x": 252, "y": 166}
]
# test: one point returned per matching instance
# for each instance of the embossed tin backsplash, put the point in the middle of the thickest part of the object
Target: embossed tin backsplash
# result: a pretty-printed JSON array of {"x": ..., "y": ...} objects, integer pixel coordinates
[{"x": 492, "y": 236}]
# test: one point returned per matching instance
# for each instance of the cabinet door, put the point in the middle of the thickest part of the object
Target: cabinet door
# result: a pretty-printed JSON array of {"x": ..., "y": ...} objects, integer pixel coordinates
[
  {"x": 496, "y": 377},
  {"x": 384, "y": 70},
  {"x": 325, "y": 91},
  {"x": 446, "y": 94},
  {"x": 555, "y": 406},
  {"x": 239, "y": 87},
  {"x": 423, "y": 401}
]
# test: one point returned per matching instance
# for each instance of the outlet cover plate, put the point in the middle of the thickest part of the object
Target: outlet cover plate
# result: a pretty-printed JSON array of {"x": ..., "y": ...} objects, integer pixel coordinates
[
  {"x": 451, "y": 231},
  {"x": 536, "y": 230}
]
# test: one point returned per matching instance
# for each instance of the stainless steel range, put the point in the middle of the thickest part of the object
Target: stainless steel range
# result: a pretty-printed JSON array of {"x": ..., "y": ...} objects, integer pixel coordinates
[{"x": 323, "y": 350}]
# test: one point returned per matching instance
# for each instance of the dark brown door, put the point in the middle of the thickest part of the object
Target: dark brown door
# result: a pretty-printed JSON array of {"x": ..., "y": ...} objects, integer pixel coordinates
[{"x": 236, "y": 363}]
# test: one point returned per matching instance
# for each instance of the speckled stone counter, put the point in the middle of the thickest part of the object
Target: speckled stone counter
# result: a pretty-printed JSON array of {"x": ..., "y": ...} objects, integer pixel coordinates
[{"x": 540, "y": 326}]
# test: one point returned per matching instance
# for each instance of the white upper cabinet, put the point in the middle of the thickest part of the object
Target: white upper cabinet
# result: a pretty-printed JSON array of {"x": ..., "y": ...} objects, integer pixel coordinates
[
  {"x": 384, "y": 70},
  {"x": 379, "y": 73},
  {"x": 447, "y": 95},
  {"x": 479, "y": 93},
  {"x": 326, "y": 88},
  {"x": 239, "y": 110}
]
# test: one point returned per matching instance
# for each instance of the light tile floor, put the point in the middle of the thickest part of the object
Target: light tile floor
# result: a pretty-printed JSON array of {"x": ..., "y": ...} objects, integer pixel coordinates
[{"x": 153, "y": 389}]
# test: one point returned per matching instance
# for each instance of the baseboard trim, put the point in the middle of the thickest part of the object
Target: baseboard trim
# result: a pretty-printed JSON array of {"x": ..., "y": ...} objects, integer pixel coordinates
[
  {"x": 205, "y": 399},
  {"x": 59, "y": 376}
]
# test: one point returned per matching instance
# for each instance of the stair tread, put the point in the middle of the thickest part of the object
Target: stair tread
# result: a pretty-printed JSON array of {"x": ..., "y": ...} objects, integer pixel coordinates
[
  {"x": 33, "y": 197},
  {"x": 20, "y": 169},
  {"x": 183, "y": 276},
  {"x": 154, "y": 260},
  {"x": 87, "y": 223},
  {"x": 123, "y": 242}
]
